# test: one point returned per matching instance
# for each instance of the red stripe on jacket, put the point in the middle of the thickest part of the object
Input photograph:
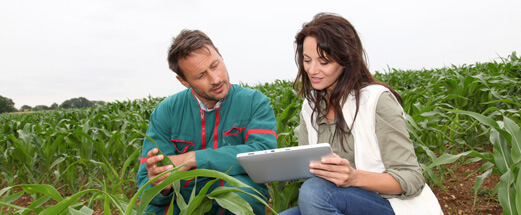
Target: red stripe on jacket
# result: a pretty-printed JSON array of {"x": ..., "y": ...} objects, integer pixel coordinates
[{"x": 259, "y": 131}]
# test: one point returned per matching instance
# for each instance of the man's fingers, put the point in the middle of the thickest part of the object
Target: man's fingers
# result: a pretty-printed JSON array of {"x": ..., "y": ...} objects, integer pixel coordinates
[
  {"x": 153, "y": 172},
  {"x": 152, "y": 152},
  {"x": 160, "y": 179},
  {"x": 152, "y": 161},
  {"x": 160, "y": 169}
]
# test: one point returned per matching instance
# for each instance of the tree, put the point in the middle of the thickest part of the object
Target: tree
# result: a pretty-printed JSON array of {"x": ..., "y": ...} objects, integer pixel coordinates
[
  {"x": 40, "y": 108},
  {"x": 6, "y": 105},
  {"x": 26, "y": 108},
  {"x": 54, "y": 106},
  {"x": 79, "y": 102}
]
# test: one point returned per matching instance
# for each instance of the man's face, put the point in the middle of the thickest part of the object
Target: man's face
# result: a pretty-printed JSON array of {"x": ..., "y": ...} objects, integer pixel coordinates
[{"x": 206, "y": 74}]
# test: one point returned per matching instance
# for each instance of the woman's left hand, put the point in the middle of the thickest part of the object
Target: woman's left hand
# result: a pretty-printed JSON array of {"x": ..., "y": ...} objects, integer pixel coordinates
[{"x": 335, "y": 169}]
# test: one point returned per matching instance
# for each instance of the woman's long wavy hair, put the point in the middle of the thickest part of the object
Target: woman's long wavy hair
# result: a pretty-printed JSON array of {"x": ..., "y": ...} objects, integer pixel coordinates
[{"x": 337, "y": 41}]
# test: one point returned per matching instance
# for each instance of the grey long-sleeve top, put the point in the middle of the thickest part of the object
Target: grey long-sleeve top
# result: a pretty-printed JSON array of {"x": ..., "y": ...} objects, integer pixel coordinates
[{"x": 396, "y": 148}]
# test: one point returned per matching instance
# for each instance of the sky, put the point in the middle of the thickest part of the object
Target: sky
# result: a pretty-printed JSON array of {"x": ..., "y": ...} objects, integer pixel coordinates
[{"x": 54, "y": 50}]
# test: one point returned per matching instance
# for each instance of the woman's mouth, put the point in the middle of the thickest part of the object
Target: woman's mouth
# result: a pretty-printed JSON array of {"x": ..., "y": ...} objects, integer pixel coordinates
[{"x": 315, "y": 80}]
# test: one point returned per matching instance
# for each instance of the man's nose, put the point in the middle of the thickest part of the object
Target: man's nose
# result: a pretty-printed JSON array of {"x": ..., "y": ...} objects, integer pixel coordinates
[{"x": 213, "y": 77}]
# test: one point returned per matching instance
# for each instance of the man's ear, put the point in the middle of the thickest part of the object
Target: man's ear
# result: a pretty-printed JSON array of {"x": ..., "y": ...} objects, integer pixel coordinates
[{"x": 183, "y": 82}]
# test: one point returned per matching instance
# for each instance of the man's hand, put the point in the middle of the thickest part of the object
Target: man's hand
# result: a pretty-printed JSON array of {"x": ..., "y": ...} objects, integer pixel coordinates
[
  {"x": 154, "y": 170},
  {"x": 188, "y": 158}
]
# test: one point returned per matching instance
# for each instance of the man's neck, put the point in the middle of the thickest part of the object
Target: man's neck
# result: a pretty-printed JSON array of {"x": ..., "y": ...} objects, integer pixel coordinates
[{"x": 208, "y": 105}]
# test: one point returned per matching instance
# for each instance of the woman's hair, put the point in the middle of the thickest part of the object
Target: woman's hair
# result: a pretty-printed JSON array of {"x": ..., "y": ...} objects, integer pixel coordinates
[{"x": 337, "y": 41}]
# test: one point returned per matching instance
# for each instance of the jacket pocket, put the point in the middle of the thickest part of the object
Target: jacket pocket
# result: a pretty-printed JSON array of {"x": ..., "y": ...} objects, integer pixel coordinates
[
  {"x": 234, "y": 131},
  {"x": 234, "y": 136},
  {"x": 182, "y": 146}
]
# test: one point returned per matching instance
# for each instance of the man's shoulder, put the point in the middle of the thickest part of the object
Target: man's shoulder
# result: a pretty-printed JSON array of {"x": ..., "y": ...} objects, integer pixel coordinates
[
  {"x": 245, "y": 92},
  {"x": 175, "y": 100},
  {"x": 181, "y": 95}
]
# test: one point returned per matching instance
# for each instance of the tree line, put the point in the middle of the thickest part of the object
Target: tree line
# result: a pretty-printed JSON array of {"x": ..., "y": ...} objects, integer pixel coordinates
[{"x": 7, "y": 105}]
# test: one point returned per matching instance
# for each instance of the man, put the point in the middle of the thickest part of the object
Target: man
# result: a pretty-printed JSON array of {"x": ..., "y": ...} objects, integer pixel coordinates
[{"x": 206, "y": 125}]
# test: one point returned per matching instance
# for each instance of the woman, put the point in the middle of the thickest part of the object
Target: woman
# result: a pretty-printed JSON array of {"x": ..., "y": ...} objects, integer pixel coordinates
[{"x": 374, "y": 169}]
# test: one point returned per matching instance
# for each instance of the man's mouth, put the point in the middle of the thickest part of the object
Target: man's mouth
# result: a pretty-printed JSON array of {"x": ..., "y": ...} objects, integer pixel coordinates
[{"x": 218, "y": 89}]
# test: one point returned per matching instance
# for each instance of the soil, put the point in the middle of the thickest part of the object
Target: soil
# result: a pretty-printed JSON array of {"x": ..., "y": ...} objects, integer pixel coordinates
[{"x": 458, "y": 199}]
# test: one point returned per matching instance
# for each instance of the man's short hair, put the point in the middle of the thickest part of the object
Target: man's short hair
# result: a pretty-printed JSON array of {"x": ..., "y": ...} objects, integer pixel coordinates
[{"x": 185, "y": 43}]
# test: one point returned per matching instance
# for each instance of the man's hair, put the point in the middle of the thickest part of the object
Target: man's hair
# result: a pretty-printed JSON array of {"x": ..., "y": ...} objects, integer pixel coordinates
[{"x": 183, "y": 45}]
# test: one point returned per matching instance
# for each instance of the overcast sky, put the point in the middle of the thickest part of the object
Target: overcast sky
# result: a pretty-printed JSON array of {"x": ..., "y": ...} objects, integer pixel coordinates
[{"x": 54, "y": 50}]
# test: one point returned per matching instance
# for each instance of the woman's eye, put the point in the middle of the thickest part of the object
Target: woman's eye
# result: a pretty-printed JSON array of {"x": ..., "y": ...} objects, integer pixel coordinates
[{"x": 324, "y": 63}]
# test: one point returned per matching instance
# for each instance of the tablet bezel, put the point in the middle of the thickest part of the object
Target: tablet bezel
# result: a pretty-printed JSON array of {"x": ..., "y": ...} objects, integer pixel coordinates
[{"x": 282, "y": 164}]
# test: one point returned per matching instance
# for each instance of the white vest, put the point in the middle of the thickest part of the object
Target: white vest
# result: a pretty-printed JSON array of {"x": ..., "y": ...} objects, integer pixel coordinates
[{"x": 367, "y": 150}]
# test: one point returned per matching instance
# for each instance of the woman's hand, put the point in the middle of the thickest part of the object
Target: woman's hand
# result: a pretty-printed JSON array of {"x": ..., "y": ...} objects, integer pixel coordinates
[{"x": 335, "y": 169}]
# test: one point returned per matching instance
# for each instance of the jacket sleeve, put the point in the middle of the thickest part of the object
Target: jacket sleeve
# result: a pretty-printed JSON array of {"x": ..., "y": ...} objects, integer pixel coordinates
[
  {"x": 303, "y": 132},
  {"x": 396, "y": 148},
  {"x": 261, "y": 134},
  {"x": 157, "y": 130}
]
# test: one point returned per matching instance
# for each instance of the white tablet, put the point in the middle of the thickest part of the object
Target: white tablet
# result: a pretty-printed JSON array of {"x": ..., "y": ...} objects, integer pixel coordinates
[{"x": 282, "y": 164}]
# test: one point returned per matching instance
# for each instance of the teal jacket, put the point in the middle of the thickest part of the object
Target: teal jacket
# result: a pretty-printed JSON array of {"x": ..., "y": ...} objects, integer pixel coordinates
[{"x": 244, "y": 122}]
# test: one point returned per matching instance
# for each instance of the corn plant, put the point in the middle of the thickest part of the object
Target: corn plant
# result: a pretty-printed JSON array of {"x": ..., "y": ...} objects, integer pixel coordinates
[{"x": 505, "y": 160}]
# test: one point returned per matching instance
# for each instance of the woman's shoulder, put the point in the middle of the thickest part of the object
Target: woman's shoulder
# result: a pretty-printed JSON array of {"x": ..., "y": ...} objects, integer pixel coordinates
[{"x": 375, "y": 88}]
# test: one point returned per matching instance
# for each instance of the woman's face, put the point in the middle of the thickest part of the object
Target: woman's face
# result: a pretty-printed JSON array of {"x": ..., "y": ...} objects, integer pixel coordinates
[{"x": 323, "y": 74}]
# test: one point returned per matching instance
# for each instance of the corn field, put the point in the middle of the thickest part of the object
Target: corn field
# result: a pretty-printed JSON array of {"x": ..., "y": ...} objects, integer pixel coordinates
[{"x": 85, "y": 161}]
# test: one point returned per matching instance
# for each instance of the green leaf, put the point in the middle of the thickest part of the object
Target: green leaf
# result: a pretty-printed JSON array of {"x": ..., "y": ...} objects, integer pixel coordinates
[
  {"x": 233, "y": 203},
  {"x": 36, "y": 205},
  {"x": 64, "y": 204},
  {"x": 12, "y": 206},
  {"x": 447, "y": 158},
  {"x": 204, "y": 207},
  {"x": 517, "y": 187},
  {"x": 290, "y": 194},
  {"x": 515, "y": 132},
  {"x": 181, "y": 203},
  {"x": 485, "y": 120},
  {"x": 83, "y": 211},
  {"x": 502, "y": 157},
  {"x": 12, "y": 197},
  {"x": 479, "y": 182},
  {"x": 5, "y": 190},
  {"x": 195, "y": 201},
  {"x": 221, "y": 190},
  {"x": 504, "y": 190},
  {"x": 43, "y": 189},
  {"x": 130, "y": 160},
  {"x": 166, "y": 161},
  {"x": 106, "y": 206}
]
